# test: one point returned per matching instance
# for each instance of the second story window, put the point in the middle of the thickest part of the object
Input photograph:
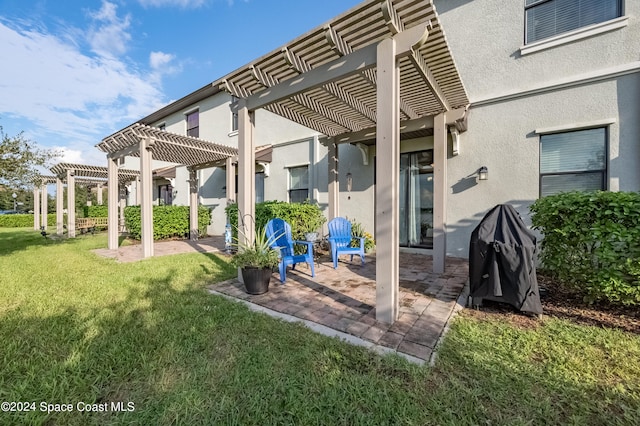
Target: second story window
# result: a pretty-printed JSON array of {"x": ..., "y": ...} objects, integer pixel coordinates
[
  {"x": 547, "y": 18},
  {"x": 193, "y": 124}
]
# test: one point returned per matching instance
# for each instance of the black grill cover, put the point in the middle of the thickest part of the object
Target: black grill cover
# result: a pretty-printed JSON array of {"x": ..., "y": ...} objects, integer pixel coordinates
[{"x": 502, "y": 254}]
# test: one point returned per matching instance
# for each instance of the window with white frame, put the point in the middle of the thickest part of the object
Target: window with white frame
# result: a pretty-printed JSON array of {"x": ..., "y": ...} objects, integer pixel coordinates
[
  {"x": 298, "y": 184},
  {"x": 193, "y": 124},
  {"x": 573, "y": 161},
  {"x": 547, "y": 18}
]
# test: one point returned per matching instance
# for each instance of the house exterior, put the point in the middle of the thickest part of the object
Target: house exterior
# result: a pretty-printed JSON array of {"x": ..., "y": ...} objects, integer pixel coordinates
[{"x": 554, "y": 104}]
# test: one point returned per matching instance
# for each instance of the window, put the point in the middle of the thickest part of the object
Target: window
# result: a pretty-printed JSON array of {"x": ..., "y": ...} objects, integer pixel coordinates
[
  {"x": 573, "y": 161},
  {"x": 165, "y": 195},
  {"x": 162, "y": 126},
  {"x": 298, "y": 184},
  {"x": 234, "y": 114},
  {"x": 259, "y": 187},
  {"x": 193, "y": 124},
  {"x": 547, "y": 18}
]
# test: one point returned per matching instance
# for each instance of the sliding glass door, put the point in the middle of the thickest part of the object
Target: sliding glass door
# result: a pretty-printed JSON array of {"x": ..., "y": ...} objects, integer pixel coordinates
[{"x": 416, "y": 199}]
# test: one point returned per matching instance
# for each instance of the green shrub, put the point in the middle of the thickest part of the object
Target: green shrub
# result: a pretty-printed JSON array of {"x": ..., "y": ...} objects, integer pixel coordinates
[
  {"x": 592, "y": 243},
  {"x": 357, "y": 231},
  {"x": 23, "y": 220},
  {"x": 297, "y": 214},
  {"x": 96, "y": 211},
  {"x": 168, "y": 221}
]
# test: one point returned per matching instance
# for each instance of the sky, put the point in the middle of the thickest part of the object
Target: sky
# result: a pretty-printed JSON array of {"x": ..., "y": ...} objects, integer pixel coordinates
[{"x": 73, "y": 72}]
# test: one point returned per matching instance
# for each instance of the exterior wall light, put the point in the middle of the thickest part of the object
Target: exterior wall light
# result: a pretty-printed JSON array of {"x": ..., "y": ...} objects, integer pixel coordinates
[
  {"x": 349, "y": 181},
  {"x": 483, "y": 173}
]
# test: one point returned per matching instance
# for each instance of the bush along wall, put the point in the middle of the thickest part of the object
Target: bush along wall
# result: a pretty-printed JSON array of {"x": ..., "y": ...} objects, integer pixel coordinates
[
  {"x": 168, "y": 221},
  {"x": 297, "y": 214},
  {"x": 592, "y": 243},
  {"x": 96, "y": 211},
  {"x": 24, "y": 220}
]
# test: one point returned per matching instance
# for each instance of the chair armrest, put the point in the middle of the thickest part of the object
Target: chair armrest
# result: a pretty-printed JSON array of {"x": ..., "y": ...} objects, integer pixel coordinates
[{"x": 361, "y": 242}]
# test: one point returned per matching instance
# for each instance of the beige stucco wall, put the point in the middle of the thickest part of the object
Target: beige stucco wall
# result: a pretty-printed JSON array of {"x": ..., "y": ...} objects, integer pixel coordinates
[{"x": 501, "y": 132}]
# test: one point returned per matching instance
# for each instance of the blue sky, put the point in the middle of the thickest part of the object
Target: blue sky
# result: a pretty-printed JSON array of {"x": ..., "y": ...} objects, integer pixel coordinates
[{"x": 76, "y": 71}]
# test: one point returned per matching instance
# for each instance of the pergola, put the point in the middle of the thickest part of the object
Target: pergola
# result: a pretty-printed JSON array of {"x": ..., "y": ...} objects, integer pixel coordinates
[
  {"x": 84, "y": 175},
  {"x": 380, "y": 67},
  {"x": 148, "y": 143}
]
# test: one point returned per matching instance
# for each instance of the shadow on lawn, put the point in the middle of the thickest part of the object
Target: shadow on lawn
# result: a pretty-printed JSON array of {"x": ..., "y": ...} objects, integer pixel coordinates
[
  {"x": 182, "y": 356},
  {"x": 17, "y": 239}
]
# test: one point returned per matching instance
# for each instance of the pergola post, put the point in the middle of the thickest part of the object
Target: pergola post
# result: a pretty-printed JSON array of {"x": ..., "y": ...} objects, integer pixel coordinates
[
  {"x": 112, "y": 203},
  {"x": 439, "y": 193},
  {"x": 146, "y": 205},
  {"x": 231, "y": 180},
  {"x": 122, "y": 203},
  {"x": 44, "y": 206},
  {"x": 59, "y": 207},
  {"x": 334, "y": 186},
  {"x": 36, "y": 208},
  {"x": 71, "y": 204},
  {"x": 138, "y": 191},
  {"x": 246, "y": 176},
  {"x": 99, "y": 194},
  {"x": 193, "y": 204},
  {"x": 387, "y": 165}
]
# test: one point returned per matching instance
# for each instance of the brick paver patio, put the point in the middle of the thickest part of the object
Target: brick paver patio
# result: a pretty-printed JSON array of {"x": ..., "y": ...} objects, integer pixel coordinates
[{"x": 341, "y": 301}]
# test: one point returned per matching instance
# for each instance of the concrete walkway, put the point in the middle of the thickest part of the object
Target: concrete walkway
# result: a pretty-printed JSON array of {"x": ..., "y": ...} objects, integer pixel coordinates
[
  {"x": 341, "y": 302},
  {"x": 133, "y": 253}
]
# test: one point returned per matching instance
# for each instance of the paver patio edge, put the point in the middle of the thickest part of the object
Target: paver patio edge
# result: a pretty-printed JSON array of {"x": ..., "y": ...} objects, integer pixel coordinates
[
  {"x": 324, "y": 330},
  {"x": 460, "y": 304}
]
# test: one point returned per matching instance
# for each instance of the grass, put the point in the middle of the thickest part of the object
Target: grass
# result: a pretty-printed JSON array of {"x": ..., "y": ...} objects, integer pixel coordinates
[{"x": 76, "y": 328}]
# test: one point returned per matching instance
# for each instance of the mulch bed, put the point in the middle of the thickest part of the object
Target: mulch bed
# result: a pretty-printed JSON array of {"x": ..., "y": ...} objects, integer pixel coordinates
[{"x": 561, "y": 303}]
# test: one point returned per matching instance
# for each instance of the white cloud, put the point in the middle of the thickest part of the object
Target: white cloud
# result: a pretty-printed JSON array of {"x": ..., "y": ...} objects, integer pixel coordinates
[
  {"x": 108, "y": 35},
  {"x": 71, "y": 97},
  {"x": 159, "y": 60}
]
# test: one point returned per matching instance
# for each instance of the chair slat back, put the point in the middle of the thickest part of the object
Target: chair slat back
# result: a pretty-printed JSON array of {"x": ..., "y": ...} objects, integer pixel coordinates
[
  {"x": 284, "y": 242},
  {"x": 340, "y": 229}
]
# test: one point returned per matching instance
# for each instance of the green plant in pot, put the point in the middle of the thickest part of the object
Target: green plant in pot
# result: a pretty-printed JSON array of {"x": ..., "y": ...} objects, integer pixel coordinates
[
  {"x": 311, "y": 226},
  {"x": 256, "y": 261}
]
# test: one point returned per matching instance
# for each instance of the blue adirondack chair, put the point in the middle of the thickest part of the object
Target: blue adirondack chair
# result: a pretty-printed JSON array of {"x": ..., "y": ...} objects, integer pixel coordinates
[
  {"x": 340, "y": 240},
  {"x": 284, "y": 244}
]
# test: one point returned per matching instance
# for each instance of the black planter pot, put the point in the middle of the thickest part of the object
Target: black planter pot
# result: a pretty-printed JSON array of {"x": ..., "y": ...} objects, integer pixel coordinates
[{"x": 256, "y": 280}]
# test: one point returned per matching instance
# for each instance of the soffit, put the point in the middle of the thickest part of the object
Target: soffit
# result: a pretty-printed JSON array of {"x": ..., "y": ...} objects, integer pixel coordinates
[{"x": 429, "y": 80}]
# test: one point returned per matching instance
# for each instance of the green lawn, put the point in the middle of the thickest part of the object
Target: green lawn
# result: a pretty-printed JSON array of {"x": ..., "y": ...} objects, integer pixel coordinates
[{"x": 77, "y": 329}]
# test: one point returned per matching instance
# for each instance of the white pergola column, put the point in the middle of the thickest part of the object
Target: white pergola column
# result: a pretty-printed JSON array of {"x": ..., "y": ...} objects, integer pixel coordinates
[
  {"x": 112, "y": 203},
  {"x": 246, "y": 174},
  {"x": 99, "y": 194},
  {"x": 122, "y": 203},
  {"x": 193, "y": 205},
  {"x": 334, "y": 186},
  {"x": 44, "y": 207},
  {"x": 71, "y": 204},
  {"x": 36, "y": 208},
  {"x": 146, "y": 202},
  {"x": 231, "y": 180},
  {"x": 138, "y": 191},
  {"x": 439, "y": 193},
  {"x": 387, "y": 165},
  {"x": 59, "y": 207}
]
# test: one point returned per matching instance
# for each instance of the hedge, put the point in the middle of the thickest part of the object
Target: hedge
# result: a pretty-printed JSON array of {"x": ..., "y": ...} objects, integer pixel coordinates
[
  {"x": 592, "y": 243},
  {"x": 296, "y": 214},
  {"x": 96, "y": 211},
  {"x": 168, "y": 221},
  {"x": 23, "y": 220}
]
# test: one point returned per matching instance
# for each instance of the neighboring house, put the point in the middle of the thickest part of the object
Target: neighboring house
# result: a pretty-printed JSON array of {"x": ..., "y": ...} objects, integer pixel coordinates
[{"x": 554, "y": 91}]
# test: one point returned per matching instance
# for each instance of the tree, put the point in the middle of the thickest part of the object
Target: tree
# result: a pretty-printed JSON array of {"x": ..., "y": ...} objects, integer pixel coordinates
[{"x": 19, "y": 159}]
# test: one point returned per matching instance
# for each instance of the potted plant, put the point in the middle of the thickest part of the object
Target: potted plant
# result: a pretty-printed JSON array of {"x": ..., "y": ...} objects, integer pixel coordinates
[
  {"x": 311, "y": 225},
  {"x": 256, "y": 262}
]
